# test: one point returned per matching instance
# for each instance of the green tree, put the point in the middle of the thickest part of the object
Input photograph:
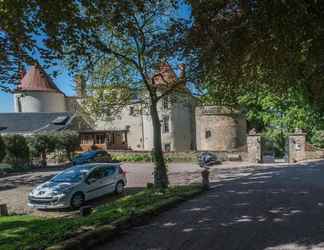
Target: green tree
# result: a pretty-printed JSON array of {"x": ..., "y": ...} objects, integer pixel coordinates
[
  {"x": 277, "y": 43},
  {"x": 41, "y": 145},
  {"x": 2, "y": 149},
  {"x": 134, "y": 41},
  {"x": 68, "y": 141},
  {"x": 318, "y": 138},
  {"x": 136, "y": 35},
  {"x": 17, "y": 150}
]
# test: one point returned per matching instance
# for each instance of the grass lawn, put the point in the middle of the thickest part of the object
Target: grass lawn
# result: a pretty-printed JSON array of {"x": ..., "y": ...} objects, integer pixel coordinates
[{"x": 30, "y": 232}]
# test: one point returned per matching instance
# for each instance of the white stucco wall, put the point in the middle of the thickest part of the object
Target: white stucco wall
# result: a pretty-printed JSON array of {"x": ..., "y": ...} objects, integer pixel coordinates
[
  {"x": 124, "y": 120},
  {"x": 39, "y": 102},
  {"x": 182, "y": 127},
  {"x": 140, "y": 128}
]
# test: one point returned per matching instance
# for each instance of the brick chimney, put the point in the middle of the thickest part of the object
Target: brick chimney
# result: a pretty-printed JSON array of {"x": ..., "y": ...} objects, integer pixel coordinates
[{"x": 80, "y": 85}]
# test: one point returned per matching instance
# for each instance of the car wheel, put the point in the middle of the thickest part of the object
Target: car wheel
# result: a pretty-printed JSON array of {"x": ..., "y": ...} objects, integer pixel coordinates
[
  {"x": 77, "y": 200},
  {"x": 119, "y": 189}
]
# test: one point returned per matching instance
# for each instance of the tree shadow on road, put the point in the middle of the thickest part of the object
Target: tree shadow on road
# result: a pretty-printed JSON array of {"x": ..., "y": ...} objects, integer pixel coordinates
[{"x": 274, "y": 208}]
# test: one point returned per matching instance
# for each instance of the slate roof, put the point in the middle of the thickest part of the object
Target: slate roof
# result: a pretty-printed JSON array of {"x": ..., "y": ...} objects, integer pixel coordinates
[
  {"x": 26, "y": 123},
  {"x": 36, "y": 79}
]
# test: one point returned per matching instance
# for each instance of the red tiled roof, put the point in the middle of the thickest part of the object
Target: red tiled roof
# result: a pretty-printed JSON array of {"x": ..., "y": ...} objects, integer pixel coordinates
[{"x": 36, "y": 79}]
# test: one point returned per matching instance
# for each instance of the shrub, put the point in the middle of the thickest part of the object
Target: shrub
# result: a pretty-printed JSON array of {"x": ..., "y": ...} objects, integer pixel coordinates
[
  {"x": 41, "y": 145},
  {"x": 17, "y": 150},
  {"x": 2, "y": 149},
  {"x": 318, "y": 138},
  {"x": 68, "y": 141}
]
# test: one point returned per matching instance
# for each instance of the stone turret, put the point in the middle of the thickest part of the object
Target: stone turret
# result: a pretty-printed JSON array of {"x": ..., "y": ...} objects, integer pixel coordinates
[{"x": 220, "y": 129}]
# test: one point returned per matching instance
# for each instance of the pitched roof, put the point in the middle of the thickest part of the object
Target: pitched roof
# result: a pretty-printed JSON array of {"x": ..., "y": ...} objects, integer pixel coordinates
[
  {"x": 36, "y": 79},
  {"x": 26, "y": 123}
]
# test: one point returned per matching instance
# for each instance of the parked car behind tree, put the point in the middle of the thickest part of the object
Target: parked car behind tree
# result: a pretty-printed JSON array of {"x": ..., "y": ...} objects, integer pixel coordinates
[{"x": 94, "y": 156}]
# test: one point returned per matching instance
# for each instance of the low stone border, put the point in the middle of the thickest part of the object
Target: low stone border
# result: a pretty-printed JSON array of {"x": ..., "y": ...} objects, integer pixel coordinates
[
  {"x": 7, "y": 186},
  {"x": 106, "y": 233}
]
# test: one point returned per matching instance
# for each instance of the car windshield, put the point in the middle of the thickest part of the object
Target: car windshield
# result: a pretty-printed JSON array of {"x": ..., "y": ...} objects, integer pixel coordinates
[{"x": 71, "y": 175}]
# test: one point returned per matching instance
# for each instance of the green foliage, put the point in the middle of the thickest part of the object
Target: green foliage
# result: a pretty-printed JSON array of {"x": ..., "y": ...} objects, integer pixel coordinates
[
  {"x": 26, "y": 231},
  {"x": 68, "y": 141},
  {"x": 244, "y": 38},
  {"x": 132, "y": 157},
  {"x": 288, "y": 111},
  {"x": 41, "y": 145},
  {"x": 17, "y": 150},
  {"x": 277, "y": 115},
  {"x": 2, "y": 149},
  {"x": 107, "y": 101},
  {"x": 317, "y": 138}
]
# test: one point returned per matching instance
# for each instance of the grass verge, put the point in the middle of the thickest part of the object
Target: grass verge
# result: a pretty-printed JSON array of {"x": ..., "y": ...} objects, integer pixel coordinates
[{"x": 30, "y": 232}]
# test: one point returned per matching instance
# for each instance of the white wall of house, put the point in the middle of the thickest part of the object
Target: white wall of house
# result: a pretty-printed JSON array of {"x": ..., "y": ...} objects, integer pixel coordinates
[
  {"x": 182, "y": 123},
  {"x": 126, "y": 120}
]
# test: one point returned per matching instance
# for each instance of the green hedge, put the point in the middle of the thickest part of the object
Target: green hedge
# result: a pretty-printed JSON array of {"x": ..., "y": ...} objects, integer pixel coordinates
[
  {"x": 20, "y": 151},
  {"x": 147, "y": 157}
]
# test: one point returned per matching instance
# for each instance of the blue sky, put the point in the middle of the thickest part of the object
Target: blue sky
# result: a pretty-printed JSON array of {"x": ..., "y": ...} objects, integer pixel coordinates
[{"x": 64, "y": 80}]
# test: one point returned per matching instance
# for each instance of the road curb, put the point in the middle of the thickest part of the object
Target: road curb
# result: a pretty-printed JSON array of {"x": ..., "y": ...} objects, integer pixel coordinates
[{"x": 108, "y": 232}]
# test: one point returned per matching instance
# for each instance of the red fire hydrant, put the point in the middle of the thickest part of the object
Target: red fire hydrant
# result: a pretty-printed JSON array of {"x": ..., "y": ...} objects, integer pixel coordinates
[{"x": 205, "y": 178}]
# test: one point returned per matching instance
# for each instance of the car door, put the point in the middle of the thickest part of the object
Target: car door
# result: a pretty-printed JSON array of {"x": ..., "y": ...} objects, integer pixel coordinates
[
  {"x": 95, "y": 183},
  {"x": 109, "y": 179}
]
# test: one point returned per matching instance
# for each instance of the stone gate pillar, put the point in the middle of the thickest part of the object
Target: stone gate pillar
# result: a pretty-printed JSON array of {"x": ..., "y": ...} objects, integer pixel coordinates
[
  {"x": 254, "y": 147},
  {"x": 296, "y": 146}
]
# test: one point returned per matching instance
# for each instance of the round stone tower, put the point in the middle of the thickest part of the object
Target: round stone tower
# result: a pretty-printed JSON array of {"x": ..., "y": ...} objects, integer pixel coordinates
[
  {"x": 38, "y": 93},
  {"x": 219, "y": 129}
]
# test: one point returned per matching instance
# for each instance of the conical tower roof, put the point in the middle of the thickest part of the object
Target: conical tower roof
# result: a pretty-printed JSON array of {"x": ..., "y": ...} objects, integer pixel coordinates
[{"x": 36, "y": 79}]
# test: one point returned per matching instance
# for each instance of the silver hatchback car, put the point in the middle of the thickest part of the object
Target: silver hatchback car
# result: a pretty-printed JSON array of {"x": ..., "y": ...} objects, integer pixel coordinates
[{"x": 75, "y": 185}]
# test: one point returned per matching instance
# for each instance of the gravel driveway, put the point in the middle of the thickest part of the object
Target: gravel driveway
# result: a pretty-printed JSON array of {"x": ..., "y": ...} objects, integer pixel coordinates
[
  {"x": 14, "y": 189},
  {"x": 268, "y": 208}
]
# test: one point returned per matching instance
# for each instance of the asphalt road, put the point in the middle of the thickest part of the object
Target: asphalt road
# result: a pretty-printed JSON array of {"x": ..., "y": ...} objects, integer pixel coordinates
[{"x": 269, "y": 208}]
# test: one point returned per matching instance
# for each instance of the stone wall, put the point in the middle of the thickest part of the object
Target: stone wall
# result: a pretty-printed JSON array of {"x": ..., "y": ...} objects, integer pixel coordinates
[
  {"x": 254, "y": 148},
  {"x": 190, "y": 156},
  {"x": 297, "y": 144},
  {"x": 219, "y": 129},
  {"x": 317, "y": 154}
]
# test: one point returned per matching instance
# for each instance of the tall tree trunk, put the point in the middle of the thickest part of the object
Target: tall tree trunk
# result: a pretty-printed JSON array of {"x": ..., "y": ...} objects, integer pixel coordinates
[
  {"x": 43, "y": 159},
  {"x": 160, "y": 172}
]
